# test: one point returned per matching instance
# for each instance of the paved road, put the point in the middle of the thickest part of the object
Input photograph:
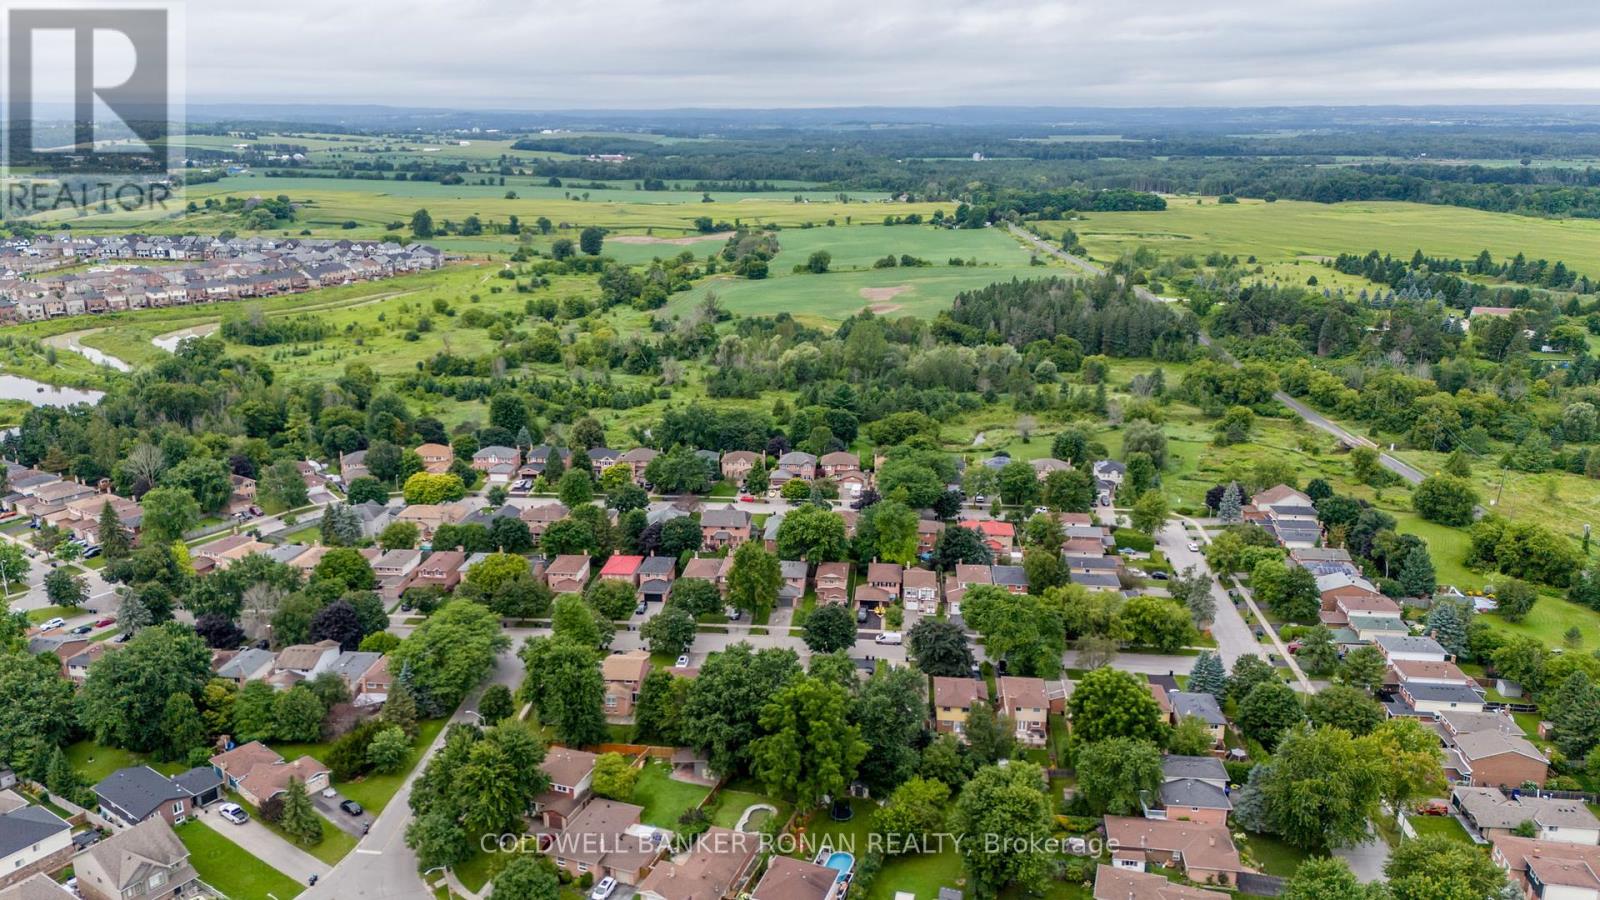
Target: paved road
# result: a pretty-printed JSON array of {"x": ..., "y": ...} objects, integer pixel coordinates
[
  {"x": 1312, "y": 417},
  {"x": 1233, "y": 635},
  {"x": 259, "y": 841}
]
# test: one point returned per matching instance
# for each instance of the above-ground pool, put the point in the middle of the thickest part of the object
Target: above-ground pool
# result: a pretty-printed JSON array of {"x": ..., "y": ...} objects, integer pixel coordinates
[{"x": 842, "y": 863}]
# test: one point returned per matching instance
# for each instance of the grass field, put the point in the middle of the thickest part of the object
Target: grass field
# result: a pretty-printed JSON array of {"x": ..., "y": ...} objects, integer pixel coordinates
[
  {"x": 663, "y": 798},
  {"x": 230, "y": 869},
  {"x": 96, "y": 761},
  {"x": 1289, "y": 230},
  {"x": 1440, "y": 826}
]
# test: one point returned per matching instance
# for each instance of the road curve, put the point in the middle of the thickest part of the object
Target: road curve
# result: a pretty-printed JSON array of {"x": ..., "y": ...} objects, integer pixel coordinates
[{"x": 1313, "y": 418}]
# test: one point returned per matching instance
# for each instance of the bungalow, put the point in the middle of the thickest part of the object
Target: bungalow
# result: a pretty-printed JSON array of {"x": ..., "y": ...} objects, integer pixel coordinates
[
  {"x": 606, "y": 839},
  {"x": 655, "y": 578},
  {"x": 1488, "y": 812},
  {"x": 724, "y": 528},
  {"x": 1114, "y": 883},
  {"x": 362, "y": 671},
  {"x": 1549, "y": 870},
  {"x": 259, "y": 774},
  {"x": 33, "y": 841},
  {"x": 717, "y": 862},
  {"x": 436, "y": 458},
  {"x": 920, "y": 590},
  {"x": 1495, "y": 759},
  {"x": 622, "y": 568},
  {"x": 1324, "y": 560},
  {"x": 1201, "y": 851},
  {"x": 1427, "y": 699},
  {"x": 624, "y": 674},
  {"x": 1202, "y": 706},
  {"x": 788, "y": 878},
  {"x": 146, "y": 861},
  {"x": 568, "y": 573},
  {"x": 571, "y": 772},
  {"x": 1013, "y": 578},
  {"x": 441, "y": 569},
  {"x": 250, "y": 664},
  {"x": 131, "y": 795},
  {"x": 953, "y": 700},
  {"x": 1410, "y": 648},
  {"x": 736, "y": 464},
  {"x": 1194, "y": 789},
  {"x": 226, "y": 551},
  {"x": 1024, "y": 701},
  {"x": 833, "y": 583}
]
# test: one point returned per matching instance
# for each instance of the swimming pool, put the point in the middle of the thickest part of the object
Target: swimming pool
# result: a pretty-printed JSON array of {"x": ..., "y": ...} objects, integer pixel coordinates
[{"x": 842, "y": 863}]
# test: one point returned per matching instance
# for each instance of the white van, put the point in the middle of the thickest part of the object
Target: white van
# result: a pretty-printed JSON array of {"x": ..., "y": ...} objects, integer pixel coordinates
[{"x": 890, "y": 637}]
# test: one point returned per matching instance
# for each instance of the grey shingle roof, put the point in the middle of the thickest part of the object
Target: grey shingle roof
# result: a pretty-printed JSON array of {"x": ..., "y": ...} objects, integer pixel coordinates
[{"x": 27, "y": 826}]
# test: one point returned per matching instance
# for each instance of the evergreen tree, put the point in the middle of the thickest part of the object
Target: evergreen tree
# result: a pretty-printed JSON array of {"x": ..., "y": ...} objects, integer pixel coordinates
[
  {"x": 115, "y": 542},
  {"x": 1575, "y": 714},
  {"x": 400, "y": 709},
  {"x": 1208, "y": 676},
  {"x": 1416, "y": 573},
  {"x": 1231, "y": 510},
  {"x": 300, "y": 821},
  {"x": 1447, "y": 624}
]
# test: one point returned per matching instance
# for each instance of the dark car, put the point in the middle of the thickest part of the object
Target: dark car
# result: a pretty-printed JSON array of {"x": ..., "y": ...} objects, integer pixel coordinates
[
  {"x": 351, "y": 807},
  {"x": 82, "y": 629},
  {"x": 861, "y": 614},
  {"x": 1159, "y": 575}
]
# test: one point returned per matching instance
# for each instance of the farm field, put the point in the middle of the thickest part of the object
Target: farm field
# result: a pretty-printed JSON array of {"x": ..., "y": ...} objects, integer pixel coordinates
[{"x": 1288, "y": 230}]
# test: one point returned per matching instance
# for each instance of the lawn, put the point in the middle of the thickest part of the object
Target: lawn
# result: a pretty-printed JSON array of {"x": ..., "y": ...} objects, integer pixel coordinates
[
  {"x": 1274, "y": 856},
  {"x": 823, "y": 831},
  {"x": 95, "y": 761},
  {"x": 334, "y": 846},
  {"x": 229, "y": 868},
  {"x": 371, "y": 791},
  {"x": 663, "y": 798},
  {"x": 920, "y": 874},
  {"x": 731, "y": 804},
  {"x": 1439, "y": 826}
]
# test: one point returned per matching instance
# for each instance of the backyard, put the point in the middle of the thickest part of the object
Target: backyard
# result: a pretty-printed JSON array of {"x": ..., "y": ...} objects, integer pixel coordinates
[{"x": 665, "y": 799}]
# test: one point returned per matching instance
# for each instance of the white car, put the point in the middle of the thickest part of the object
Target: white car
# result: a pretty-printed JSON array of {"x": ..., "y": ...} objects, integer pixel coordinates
[
  {"x": 48, "y": 624},
  {"x": 604, "y": 889},
  {"x": 234, "y": 813},
  {"x": 894, "y": 638},
  {"x": 1194, "y": 547},
  {"x": 683, "y": 662},
  {"x": 329, "y": 793}
]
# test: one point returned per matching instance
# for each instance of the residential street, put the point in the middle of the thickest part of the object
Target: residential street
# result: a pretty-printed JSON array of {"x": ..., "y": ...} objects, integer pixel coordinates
[
  {"x": 259, "y": 841},
  {"x": 1232, "y": 633}
]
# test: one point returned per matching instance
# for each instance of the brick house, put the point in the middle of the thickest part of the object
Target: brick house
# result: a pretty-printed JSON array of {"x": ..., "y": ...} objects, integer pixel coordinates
[
  {"x": 953, "y": 700},
  {"x": 568, "y": 573},
  {"x": 833, "y": 583},
  {"x": 622, "y": 568},
  {"x": 724, "y": 528},
  {"x": 571, "y": 772},
  {"x": 736, "y": 464},
  {"x": 623, "y": 673}
]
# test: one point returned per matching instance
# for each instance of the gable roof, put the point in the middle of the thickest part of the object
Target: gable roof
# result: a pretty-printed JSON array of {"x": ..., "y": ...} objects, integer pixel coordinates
[
  {"x": 27, "y": 826},
  {"x": 1112, "y": 883},
  {"x": 138, "y": 790},
  {"x": 1206, "y": 767},
  {"x": 1201, "y": 705},
  {"x": 959, "y": 692},
  {"x": 793, "y": 879},
  {"x": 131, "y": 855}
]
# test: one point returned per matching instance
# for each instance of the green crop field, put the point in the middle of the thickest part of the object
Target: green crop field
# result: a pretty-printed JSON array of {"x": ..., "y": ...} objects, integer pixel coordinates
[{"x": 1289, "y": 230}]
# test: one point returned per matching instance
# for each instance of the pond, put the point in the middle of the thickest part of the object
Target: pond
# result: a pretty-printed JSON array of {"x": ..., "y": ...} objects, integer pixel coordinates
[{"x": 15, "y": 387}]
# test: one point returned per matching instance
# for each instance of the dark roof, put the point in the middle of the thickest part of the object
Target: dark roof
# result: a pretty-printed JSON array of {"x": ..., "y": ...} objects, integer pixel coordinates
[
  {"x": 1095, "y": 580},
  {"x": 1190, "y": 767},
  {"x": 654, "y": 566},
  {"x": 1194, "y": 792},
  {"x": 138, "y": 791},
  {"x": 1442, "y": 693},
  {"x": 1193, "y": 703},
  {"x": 26, "y": 826},
  {"x": 198, "y": 780}
]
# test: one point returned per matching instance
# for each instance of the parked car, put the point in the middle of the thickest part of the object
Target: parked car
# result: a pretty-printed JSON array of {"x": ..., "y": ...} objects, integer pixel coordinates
[
  {"x": 1194, "y": 547},
  {"x": 234, "y": 813},
  {"x": 82, "y": 629},
  {"x": 329, "y": 793},
  {"x": 1294, "y": 646},
  {"x": 683, "y": 662},
  {"x": 91, "y": 552},
  {"x": 124, "y": 637},
  {"x": 1159, "y": 575},
  {"x": 108, "y": 620},
  {"x": 604, "y": 889},
  {"x": 640, "y": 609},
  {"x": 861, "y": 614},
  {"x": 49, "y": 624},
  {"x": 351, "y": 807},
  {"x": 892, "y": 638},
  {"x": 746, "y": 498}
]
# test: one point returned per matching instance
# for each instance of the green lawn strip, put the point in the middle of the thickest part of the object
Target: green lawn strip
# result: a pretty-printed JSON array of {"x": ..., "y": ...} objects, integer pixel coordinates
[
  {"x": 480, "y": 868},
  {"x": 1439, "y": 826},
  {"x": 35, "y": 616},
  {"x": 94, "y": 762},
  {"x": 1274, "y": 856},
  {"x": 371, "y": 791},
  {"x": 731, "y": 804},
  {"x": 663, "y": 798},
  {"x": 230, "y": 868}
]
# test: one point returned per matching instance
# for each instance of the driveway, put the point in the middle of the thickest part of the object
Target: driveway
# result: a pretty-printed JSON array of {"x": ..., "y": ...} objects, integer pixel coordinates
[
  {"x": 259, "y": 841},
  {"x": 329, "y": 807},
  {"x": 1366, "y": 859},
  {"x": 1232, "y": 633}
]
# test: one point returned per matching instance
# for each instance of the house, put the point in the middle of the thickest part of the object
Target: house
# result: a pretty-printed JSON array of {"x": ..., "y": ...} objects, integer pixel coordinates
[
  {"x": 33, "y": 841},
  {"x": 953, "y": 700},
  {"x": 838, "y": 463},
  {"x": 1201, "y": 851},
  {"x": 1549, "y": 870},
  {"x": 1488, "y": 812},
  {"x": 605, "y": 838},
  {"x": 494, "y": 457},
  {"x": 1044, "y": 467},
  {"x": 711, "y": 568},
  {"x": 886, "y": 577},
  {"x": 538, "y": 461},
  {"x": 787, "y": 878},
  {"x": 436, "y": 458},
  {"x": 1023, "y": 700},
  {"x": 1494, "y": 759},
  {"x": 429, "y": 516},
  {"x": 928, "y": 531},
  {"x": 769, "y": 532},
  {"x": 1202, "y": 706},
  {"x": 146, "y": 861},
  {"x": 542, "y": 516},
  {"x": 833, "y": 583},
  {"x": 1324, "y": 560},
  {"x": 306, "y": 660},
  {"x": 639, "y": 459},
  {"x": 353, "y": 465},
  {"x": 568, "y": 573},
  {"x": 571, "y": 772},
  {"x": 1000, "y": 537},
  {"x": 622, "y": 568},
  {"x": 656, "y": 574},
  {"x": 258, "y": 773},
  {"x": 602, "y": 458},
  {"x": 1115, "y": 883},
  {"x": 375, "y": 517},
  {"x": 1013, "y": 578},
  {"x": 717, "y": 862},
  {"x": 1194, "y": 789},
  {"x": 1279, "y": 496},
  {"x": 796, "y": 464},
  {"x": 442, "y": 569},
  {"x": 624, "y": 674},
  {"x": 1410, "y": 648},
  {"x": 357, "y": 668},
  {"x": 965, "y": 576},
  {"x": 249, "y": 664},
  {"x": 224, "y": 552},
  {"x": 37, "y": 886},
  {"x": 920, "y": 590},
  {"x": 724, "y": 528},
  {"x": 736, "y": 464}
]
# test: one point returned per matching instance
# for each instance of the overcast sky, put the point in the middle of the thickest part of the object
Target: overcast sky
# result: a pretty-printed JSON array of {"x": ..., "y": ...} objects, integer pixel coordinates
[{"x": 653, "y": 53}]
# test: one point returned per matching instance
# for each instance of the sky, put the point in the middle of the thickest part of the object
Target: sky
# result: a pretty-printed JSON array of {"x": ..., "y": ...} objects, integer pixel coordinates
[{"x": 505, "y": 54}]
